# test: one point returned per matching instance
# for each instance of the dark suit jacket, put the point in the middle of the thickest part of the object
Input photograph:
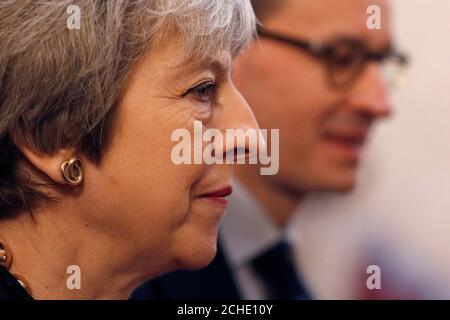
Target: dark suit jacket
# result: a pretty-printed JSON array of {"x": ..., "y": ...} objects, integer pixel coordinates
[
  {"x": 214, "y": 282},
  {"x": 10, "y": 289}
]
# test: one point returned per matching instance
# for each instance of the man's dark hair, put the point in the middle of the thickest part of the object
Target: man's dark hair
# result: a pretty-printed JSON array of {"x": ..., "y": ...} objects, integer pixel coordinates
[{"x": 263, "y": 8}]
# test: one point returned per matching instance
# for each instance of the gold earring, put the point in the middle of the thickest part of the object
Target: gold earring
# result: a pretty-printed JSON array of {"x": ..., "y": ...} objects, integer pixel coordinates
[
  {"x": 72, "y": 171},
  {"x": 5, "y": 262},
  {"x": 5, "y": 256}
]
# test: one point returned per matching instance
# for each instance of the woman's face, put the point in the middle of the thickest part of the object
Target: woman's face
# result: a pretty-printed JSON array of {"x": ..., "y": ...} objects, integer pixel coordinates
[{"x": 138, "y": 194}]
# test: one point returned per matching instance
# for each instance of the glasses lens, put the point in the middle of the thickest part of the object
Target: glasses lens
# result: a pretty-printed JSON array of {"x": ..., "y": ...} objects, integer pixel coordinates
[
  {"x": 394, "y": 72},
  {"x": 345, "y": 61}
]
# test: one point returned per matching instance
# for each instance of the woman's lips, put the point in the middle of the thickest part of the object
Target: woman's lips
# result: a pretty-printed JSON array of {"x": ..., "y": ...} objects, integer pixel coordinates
[{"x": 219, "y": 195}]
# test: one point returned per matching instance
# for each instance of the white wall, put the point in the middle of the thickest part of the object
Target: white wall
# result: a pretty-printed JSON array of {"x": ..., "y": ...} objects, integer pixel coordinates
[{"x": 403, "y": 201}]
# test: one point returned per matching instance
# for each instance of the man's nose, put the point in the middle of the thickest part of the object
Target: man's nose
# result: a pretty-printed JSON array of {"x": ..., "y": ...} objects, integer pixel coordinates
[
  {"x": 370, "y": 94},
  {"x": 240, "y": 128}
]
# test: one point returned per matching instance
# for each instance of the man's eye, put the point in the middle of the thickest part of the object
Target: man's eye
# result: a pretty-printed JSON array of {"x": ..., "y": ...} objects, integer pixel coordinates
[
  {"x": 345, "y": 56},
  {"x": 203, "y": 92},
  {"x": 345, "y": 59}
]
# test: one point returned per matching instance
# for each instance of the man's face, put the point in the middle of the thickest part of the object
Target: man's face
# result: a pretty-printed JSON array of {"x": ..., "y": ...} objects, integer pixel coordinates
[{"x": 322, "y": 128}]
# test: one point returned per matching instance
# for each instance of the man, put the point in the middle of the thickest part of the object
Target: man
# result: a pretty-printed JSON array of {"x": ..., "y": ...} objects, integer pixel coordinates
[{"x": 314, "y": 73}]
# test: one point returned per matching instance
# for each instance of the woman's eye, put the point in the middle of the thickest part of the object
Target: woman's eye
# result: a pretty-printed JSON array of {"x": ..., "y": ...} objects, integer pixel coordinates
[{"x": 203, "y": 92}]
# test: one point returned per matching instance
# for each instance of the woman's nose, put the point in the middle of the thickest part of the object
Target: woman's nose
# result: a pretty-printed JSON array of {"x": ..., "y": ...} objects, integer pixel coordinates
[{"x": 238, "y": 124}]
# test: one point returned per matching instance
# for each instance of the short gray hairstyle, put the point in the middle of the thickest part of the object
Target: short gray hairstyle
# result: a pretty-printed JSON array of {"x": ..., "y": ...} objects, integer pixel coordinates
[{"x": 58, "y": 87}]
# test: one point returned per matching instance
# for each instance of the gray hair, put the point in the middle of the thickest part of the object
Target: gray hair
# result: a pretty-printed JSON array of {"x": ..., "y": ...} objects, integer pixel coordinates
[{"x": 58, "y": 87}]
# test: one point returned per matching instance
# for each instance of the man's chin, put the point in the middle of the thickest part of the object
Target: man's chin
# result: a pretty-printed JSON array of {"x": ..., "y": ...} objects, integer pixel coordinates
[
  {"x": 344, "y": 187},
  {"x": 340, "y": 182},
  {"x": 340, "y": 176},
  {"x": 329, "y": 181}
]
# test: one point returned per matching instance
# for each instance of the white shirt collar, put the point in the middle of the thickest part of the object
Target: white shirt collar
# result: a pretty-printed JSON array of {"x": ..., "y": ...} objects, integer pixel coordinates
[{"x": 247, "y": 230}]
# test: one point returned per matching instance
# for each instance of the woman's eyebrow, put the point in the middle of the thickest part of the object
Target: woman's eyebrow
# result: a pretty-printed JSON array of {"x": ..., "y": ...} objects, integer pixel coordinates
[{"x": 218, "y": 66}]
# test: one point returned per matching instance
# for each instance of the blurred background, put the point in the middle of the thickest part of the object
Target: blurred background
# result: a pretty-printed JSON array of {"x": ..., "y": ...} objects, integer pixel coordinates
[{"x": 399, "y": 216}]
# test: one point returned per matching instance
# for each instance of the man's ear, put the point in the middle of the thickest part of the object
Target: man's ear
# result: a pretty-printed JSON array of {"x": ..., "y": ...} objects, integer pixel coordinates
[{"x": 48, "y": 164}]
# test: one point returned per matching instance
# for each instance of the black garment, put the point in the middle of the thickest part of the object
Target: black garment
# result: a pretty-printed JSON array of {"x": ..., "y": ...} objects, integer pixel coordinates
[
  {"x": 215, "y": 282},
  {"x": 10, "y": 288},
  {"x": 276, "y": 268}
]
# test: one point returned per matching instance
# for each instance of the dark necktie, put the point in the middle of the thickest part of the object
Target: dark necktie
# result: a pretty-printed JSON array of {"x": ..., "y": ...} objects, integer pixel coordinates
[{"x": 275, "y": 267}]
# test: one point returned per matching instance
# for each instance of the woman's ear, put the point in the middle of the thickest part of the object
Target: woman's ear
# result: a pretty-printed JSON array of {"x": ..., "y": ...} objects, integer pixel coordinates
[{"x": 49, "y": 164}]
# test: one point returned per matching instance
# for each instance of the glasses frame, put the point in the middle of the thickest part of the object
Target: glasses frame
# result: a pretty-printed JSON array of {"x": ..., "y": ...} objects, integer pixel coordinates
[{"x": 323, "y": 52}]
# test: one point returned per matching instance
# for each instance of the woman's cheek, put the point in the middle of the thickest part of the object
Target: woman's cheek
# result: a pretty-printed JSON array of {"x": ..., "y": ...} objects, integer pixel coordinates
[{"x": 203, "y": 113}]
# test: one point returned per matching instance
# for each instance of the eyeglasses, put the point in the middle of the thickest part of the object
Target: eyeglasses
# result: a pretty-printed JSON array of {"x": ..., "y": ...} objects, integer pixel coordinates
[{"x": 346, "y": 59}]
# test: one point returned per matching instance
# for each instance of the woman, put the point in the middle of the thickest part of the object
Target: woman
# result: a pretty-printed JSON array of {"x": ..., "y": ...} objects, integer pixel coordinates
[{"x": 91, "y": 203}]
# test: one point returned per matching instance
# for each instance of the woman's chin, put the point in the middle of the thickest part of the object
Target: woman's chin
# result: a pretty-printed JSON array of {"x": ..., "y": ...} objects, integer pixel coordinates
[{"x": 196, "y": 254}]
